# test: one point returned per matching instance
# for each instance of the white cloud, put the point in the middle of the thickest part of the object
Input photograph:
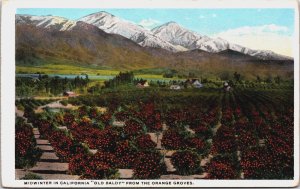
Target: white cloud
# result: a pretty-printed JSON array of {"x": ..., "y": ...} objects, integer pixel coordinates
[
  {"x": 276, "y": 28},
  {"x": 149, "y": 23},
  {"x": 267, "y": 37},
  {"x": 257, "y": 30}
]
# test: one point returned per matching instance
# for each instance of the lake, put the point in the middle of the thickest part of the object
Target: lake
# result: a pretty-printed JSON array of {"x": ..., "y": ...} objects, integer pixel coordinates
[
  {"x": 93, "y": 77},
  {"x": 69, "y": 76}
]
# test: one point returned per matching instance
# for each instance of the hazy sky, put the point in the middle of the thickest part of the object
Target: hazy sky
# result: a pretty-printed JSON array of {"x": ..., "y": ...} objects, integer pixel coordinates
[{"x": 269, "y": 29}]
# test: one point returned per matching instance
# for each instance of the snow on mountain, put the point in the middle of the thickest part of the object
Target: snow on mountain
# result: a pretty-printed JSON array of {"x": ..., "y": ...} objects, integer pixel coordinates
[
  {"x": 170, "y": 36},
  {"x": 177, "y": 35},
  {"x": 213, "y": 45},
  {"x": 218, "y": 44},
  {"x": 56, "y": 22},
  {"x": 112, "y": 24},
  {"x": 268, "y": 55},
  {"x": 146, "y": 40}
]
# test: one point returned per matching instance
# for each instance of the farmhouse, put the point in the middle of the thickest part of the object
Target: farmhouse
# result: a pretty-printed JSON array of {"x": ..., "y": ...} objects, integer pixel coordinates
[
  {"x": 143, "y": 84},
  {"x": 69, "y": 94},
  {"x": 35, "y": 79},
  {"x": 175, "y": 87},
  {"x": 195, "y": 83},
  {"x": 226, "y": 86}
]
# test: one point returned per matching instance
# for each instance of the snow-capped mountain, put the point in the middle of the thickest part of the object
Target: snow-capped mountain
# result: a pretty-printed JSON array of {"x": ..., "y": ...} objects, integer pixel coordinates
[
  {"x": 170, "y": 36},
  {"x": 177, "y": 35},
  {"x": 268, "y": 55},
  {"x": 112, "y": 24},
  {"x": 54, "y": 22},
  {"x": 218, "y": 44},
  {"x": 213, "y": 45}
]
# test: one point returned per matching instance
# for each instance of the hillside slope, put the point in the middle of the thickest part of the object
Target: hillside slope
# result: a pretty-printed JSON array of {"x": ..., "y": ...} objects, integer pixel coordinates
[
  {"x": 83, "y": 44},
  {"x": 86, "y": 45}
]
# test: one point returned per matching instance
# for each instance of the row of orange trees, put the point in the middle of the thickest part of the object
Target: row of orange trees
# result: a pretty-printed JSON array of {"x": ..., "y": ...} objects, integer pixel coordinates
[
  {"x": 255, "y": 140},
  {"x": 246, "y": 133},
  {"x": 26, "y": 152}
]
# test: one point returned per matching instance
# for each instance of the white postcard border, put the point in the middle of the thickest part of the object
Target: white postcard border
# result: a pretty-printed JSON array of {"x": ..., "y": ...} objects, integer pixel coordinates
[{"x": 8, "y": 85}]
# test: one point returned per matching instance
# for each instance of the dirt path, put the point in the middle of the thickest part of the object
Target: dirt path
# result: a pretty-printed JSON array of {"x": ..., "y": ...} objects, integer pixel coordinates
[
  {"x": 55, "y": 104},
  {"x": 19, "y": 113},
  {"x": 49, "y": 167}
]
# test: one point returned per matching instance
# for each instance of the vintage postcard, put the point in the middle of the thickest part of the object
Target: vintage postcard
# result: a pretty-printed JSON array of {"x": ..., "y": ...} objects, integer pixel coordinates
[{"x": 150, "y": 94}]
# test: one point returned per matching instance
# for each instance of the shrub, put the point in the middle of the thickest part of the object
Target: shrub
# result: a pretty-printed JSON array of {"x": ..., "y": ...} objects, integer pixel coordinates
[
  {"x": 69, "y": 119},
  {"x": 85, "y": 121},
  {"x": 144, "y": 142},
  {"x": 93, "y": 112},
  {"x": 83, "y": 111},
  {"x": 26, "y": 153},
  {"x": 224, "y": 141},
  {"x": 31, "y": 176},
  {"x": 223, "y": 167},
  {"x": 176, "y": 118},
  {"x": 101, "y": 166},
  {"x": 20, "y": 107},
  {"x": 79, "y": 163},
  {"x": 125, "y": 155},
  {"x": 153, "y": 121},
  {"x": 64, "y": 146},
  {"x": 203, "y": 131},
  {"x": 173, "y": 140},
  {"x": 105, "y": 118},
  {"x": 264, "y": 163},
  {"x": 221, "y": 170},
  {"x": 186, "y": 162},
  {"x": 29, "y": 113},
  {"x": 201, "y": 146},
  {"x": 122, "y": 116},
  {"x": 107, "y": 139},
  {"x": 64, "y": 102},
  {"x": 132, "y": 128},
  {"x": 148, "y": 166},
  {"x": 247, "y": 139}
]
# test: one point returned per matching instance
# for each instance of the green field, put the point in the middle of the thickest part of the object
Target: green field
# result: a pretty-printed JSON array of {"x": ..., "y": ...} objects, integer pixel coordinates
[
  {"x": 78, "y": 70},
  {"x": 64, "y": 69}
]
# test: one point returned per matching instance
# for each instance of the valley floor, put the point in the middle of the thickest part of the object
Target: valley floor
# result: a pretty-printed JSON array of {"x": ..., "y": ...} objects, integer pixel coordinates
[{"x": 163, "y": 134}]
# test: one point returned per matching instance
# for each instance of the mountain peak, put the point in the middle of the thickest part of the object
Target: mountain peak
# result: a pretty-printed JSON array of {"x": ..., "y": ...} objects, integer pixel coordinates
[
  {"x": 112, "y": 24},
  {"x": 100, "y": 14},
  {"x": 50, "y": 21},
  {"x": 170, "y": 36},
  {"x": 171, "y": 23},
  {"x": 49, "y": 16},
  {"x": 178, "y": 35}
]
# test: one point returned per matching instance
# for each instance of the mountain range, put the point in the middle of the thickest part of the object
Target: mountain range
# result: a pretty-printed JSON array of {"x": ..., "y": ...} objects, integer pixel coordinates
[
  {"x": 102, "y": 39},
  {"x": 170, "y": 36}
]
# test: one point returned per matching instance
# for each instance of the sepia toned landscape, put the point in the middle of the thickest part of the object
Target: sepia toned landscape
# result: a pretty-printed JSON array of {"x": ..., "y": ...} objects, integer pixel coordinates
[{"x": 103, "y": 97}]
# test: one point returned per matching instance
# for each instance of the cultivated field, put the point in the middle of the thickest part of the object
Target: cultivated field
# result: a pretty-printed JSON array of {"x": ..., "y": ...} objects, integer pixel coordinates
[{"x": 158, "y": 133}]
